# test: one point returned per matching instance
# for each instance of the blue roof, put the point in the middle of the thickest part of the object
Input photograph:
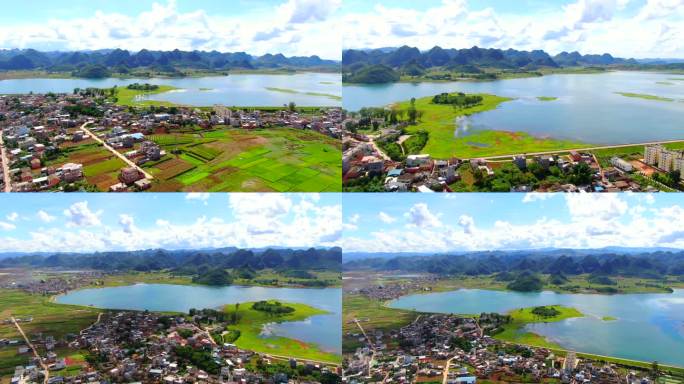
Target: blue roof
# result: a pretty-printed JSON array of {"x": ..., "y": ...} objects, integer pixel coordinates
[
  {"x": 466, "y": 379},
  {"x": 394, "y": 172}
]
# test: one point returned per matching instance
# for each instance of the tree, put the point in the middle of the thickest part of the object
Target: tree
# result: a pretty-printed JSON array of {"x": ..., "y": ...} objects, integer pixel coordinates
[
  {"x": 393, "y": 117},
  {"x": 292, "y": 106},
  {"x": 655, "y": 370},
  {"x": 412, "y": 112}
]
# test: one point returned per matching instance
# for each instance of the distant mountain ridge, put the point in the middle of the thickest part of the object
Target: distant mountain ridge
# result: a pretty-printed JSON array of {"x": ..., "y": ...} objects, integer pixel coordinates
[
  {"x": 120, "y": 60},
  {"x": 613, "y": 261},
  {"x": 353, "y": 256},
  {"x": 158, "y": 259},
  {"x": 509, "y": 58}
]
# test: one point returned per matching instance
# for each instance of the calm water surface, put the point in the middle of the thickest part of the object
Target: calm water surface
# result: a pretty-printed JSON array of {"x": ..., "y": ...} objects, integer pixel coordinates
[
  {"x": 648, "y": 327},
  {"x": 324, "y": 330},
  {"x": 587, "y": 109},
  {"x": 248, "y": 90}
]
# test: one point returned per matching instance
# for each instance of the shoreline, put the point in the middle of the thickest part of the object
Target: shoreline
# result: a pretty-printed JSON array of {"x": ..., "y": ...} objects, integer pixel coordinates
[
  {"x": 562, "y": 349},
  {"x": 221, "y": 307}
]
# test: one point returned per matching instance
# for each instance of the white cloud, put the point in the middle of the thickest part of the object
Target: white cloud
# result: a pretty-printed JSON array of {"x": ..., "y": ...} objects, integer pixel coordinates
[
  {"x": 467, "y": 223},
  {"x": 580, "y": 221},
  {"x": 385, "y": 218},
  {"x": 80, "y": 215},
  {"x": 302, "y": 11},
  {"x": 351, "y": 224},
  {"x": 659, "y": 8},
  {"x": 420, "y": 216},
  {"x": 586, "y": 206},
  {"x": 12, "y": 216},
  {"x": 165, "y": 27},
  {"x": 45, "y": 217},
  {"x": 127, "y": 223},
  {"x": 198, "y": 196},
  {"x": 287, "y": 220},
  {"x": 535, "y": 196},
  {"x": 7, "y": 226},
  {"x": 588, "y": 26}
]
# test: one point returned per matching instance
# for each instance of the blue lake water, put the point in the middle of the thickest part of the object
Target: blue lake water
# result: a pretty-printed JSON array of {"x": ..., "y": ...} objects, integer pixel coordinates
[
  {"x": 248, "y": 90},
  {"x": 649, "y": 327},
  {"x": 324, "y": 330},
  {"x": 587, "y": 109}
]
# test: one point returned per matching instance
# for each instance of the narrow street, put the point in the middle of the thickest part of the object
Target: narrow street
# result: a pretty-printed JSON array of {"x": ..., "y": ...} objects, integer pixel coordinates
[
  {"x": 5, "y": 165},
  {"x": 114, "y": 151},
  {"x": 35, "y": 351},
  {"x": 445, "y": 377},
  {"x": 378, "y": 150}
]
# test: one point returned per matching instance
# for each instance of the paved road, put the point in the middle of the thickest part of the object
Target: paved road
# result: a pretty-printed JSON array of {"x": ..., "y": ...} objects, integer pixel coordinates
[
  {"x": 370, "y": 343},
  {"x": 115, "y": 152},
  {"x": 582, "y": 149},
  {"x": 35, "y": 352},
  {"x": 378, "y": 150},
  {"x": 445, "y": 377},
  {"x": 5, "y": 165}
]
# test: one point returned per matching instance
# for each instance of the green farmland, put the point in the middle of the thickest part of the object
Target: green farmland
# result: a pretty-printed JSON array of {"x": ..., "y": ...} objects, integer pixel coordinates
[
  {"x": 438, "y": 121},
  {"x": 250, "y": 326},
  {"x": 236, "y": 160}
]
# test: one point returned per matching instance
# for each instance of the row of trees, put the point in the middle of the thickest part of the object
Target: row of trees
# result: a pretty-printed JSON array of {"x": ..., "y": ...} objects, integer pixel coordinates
[{"x": 460, "y": 99}]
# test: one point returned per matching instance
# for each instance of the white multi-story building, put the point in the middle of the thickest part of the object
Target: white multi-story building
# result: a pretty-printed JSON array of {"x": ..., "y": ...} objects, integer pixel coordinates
[
  {"x": 652, "y": 154},
  {"x": 666, "y": 160},
  {"x": 621, "y": 164}
]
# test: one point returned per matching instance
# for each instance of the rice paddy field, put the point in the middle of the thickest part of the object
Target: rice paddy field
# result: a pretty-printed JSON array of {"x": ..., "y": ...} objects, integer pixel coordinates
[{"x": 235, "y": 160}]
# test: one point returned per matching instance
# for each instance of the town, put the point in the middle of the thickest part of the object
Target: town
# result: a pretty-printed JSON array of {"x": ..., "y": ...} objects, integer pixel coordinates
[
  {"x": 144, "y": 347},
  {"x": 367, "y": 167},
  {"x": 135, "y": 346},
  {"x": 390, "y": 346},
  {"x": 87, "y": 141},
  {"x": 454, "y": 349}
]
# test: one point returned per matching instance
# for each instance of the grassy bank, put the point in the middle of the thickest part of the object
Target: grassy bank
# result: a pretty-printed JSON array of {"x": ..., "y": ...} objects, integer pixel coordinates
[
  {"x": 439, "y": 121},
  {"x": 514, "y": 333},
  {"x": 250, "y": 325},
  {"x": 129, "y": 97},
  {"x": 296, "y": 92},
  {"x": 644, "y": 96}
]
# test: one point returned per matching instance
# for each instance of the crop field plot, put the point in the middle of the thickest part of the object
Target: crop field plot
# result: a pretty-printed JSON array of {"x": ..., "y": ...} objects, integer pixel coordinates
[
  {"x": 100, "y": 167},
  {"x": 268, "y": 160}
]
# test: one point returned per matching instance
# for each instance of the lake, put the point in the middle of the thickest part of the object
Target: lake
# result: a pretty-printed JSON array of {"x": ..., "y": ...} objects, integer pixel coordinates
[
  {"x": 649, "y": 327},
  {"x": 324, "y": 330},
  {"x": 245, "y": 90},
  {"x": 587, "y": 109}
]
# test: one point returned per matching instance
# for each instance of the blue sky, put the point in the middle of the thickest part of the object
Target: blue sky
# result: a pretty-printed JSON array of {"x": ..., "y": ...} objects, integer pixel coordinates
[
  {"x": 291, "y": 27},
  {"x": 625, "y": 28},
  {"x": 91, "y": 222},
  {"x": 456, "y": 222}
]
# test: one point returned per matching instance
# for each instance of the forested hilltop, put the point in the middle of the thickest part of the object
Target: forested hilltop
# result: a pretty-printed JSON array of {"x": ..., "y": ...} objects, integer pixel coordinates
[
  {"x": 388, "y": 65},
  {"x": 104, "y": 63}
]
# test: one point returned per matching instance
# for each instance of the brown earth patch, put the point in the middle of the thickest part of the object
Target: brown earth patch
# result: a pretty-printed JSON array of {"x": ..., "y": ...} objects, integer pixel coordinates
[
  {"x": 167, "y": 186},
  {"x": 174, "y": 169}
]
